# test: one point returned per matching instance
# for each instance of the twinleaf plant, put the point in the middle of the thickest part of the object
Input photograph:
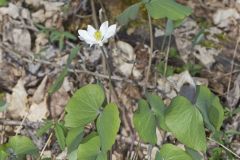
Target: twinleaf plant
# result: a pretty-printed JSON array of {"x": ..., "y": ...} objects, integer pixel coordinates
[
  {"x": 186, "y": 121},
  {"x": 157, "y": 9},
  {"x": 91, "y": 124},
  {"x": 87, "y": 106}
]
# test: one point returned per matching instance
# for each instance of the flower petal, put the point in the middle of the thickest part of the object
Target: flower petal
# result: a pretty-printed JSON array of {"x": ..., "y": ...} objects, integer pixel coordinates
[
  {"x": 91, "y": 30},
  {"x": 110, "y": 32},
  {"x": 84, "y": 36},
  {"x": 104, "y": 27}
]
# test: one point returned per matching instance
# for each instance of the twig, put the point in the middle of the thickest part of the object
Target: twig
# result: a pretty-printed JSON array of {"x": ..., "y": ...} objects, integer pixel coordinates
[
  {"x": 30, "y": 61},
  {"x": 21, "y": 124},
  {"x": 46, "y": 144},
  {"x": 127, "y": 121},
  {"x": 232, "y": 66},
  {"x": 109, "y": 72},
  {"x": 94, "y": 14},
  {"x": 150, "y": 54},
  {"x": 227, "y": 149},
  {"x": 7, "y": 122}
]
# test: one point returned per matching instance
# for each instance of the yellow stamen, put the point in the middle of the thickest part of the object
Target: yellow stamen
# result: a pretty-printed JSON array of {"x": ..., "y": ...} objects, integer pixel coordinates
[{"x": 98, "y": 35}]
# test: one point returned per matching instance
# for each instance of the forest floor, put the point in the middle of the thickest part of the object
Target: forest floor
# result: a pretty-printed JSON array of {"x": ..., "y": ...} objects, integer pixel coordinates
[{"x": 36, "y": 38}]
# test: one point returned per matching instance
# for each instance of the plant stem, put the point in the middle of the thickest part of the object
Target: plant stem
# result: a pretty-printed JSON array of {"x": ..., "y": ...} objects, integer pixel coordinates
[
  {"x": 126, "y": 119},
  {"x": 150, "y": 54},
  {"x": 109, "y": 72},
  {"x": 166, "y": 57},
  {"x": 227, "y": 149}
]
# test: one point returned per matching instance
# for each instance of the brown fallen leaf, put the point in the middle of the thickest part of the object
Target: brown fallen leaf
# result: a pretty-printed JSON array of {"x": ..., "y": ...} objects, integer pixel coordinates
[
  {"x": 38, "y": 112},
  {"x": 40, "y": 92},
  {"x": 17, "y": 101}
]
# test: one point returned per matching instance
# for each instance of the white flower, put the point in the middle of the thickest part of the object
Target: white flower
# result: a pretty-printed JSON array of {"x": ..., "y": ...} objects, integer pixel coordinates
[{"x": 99, "y": 37}]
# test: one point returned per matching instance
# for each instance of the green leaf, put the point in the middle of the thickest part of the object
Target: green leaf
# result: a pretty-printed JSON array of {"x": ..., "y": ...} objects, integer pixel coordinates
[
  {"x": 210, "y": 108},
  {"x": 73, "y": 155},
  {"x": 186, "y": 123},
  {"x": 3, "y": 2},
  {"x": 198, "y": 38},
  {"x": 69, "y": 35},
  {"x": 216, "y": 113},
  {"x": 169, "y": 27},
  {"x": 44, "y": 128},
  {"x": 145, "y": 122},
  {"x": 194, "y": 154},
  {"x": 89, "y": 148},
  {"x": 55, "y": 36},
  {"x": 161, "y": 68},
  {"x": 158, "y": 109},
  {"x": 74, "y": 138},
  {"x": 22, "y": 145},
  {"x": 3, "y": 155},
  {"x": 102, "y": 156},
  {"x": 167, "y": 9},
  {"x": 59, "y": 132},
  {"x": 171, "y": 152},
  {"x": 84, "y": 105},
  {"x": 128, "y": 14},
  {"x": 158, "y": 156},
  {"x": 61, "y": 42},
  {"x": 216, "y": 154},
  {"x": 73, "y": 54},
  {"x": 3, "y": 106},
  {"x": 108, "y": 124},
  {"x": 58, "y": 82}
]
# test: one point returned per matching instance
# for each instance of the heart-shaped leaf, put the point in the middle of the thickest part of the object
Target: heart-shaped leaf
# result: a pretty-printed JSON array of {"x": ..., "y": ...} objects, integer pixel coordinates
[
  {"x": 128, "y": 14},
  {"x": 167, "y": 9},
  {"x": 84, "y": 105},
  {"x": 108, "y": 124},
  {"x": 59, "y": 132},
  {"x": 73, "y": 139},
  {"x": 210, "y": 108},
  {"x": 171, "y": 152},
  {"x": 186, "y": 123},
  {"x": 89, "y": 148},
  {"x": 158, "y": 109},
  {"x": 145, "y": 122},
  {"x": 22, "y": 145}
]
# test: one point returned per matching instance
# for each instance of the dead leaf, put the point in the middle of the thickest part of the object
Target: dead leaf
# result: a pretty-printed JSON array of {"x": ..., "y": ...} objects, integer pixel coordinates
[
  {"x": 40, "y": 92},
  {"x": 21, "y": 39},
  {"x": 12, "y": 10},
  {"x": 224, "y": 17},
  {"x": 40, "y": 41},
  {"x": 17, "y": 101},
  {"x": 33, "y": 3},
  {"x": 52, "y": 6},
  {"x": 38, "y": 112},
  {"x": 206, "y": 56},
  {"x": 39, "y": 16},
  {"x": 234, "y": 94}
]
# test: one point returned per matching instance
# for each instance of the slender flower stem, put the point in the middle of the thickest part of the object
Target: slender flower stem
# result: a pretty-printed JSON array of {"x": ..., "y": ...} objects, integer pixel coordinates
[
  {"x": 126, "y": 119},
  {"x": 150, "y": 54},
  {"x": 227, "y": 149},
  {"x": 109, "y": 72},
  {"x": 166, "y": 57}
]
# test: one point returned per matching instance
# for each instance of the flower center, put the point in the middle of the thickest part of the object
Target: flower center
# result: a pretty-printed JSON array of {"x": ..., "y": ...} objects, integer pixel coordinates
[{"x": 98, "y": 35}]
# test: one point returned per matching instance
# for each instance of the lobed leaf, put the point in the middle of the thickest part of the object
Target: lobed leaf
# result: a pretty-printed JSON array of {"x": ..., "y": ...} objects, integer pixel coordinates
[
  {"x": 167, "y": 9},
  {"x": 145, "y": 122},
  {"x": 108, "y": 124},
  {"x": 84, "y": 105},
  {"x": 171, "y": 152},
  {"x": 186, "y": 123},
  {"x": 129, "y": 14}
]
